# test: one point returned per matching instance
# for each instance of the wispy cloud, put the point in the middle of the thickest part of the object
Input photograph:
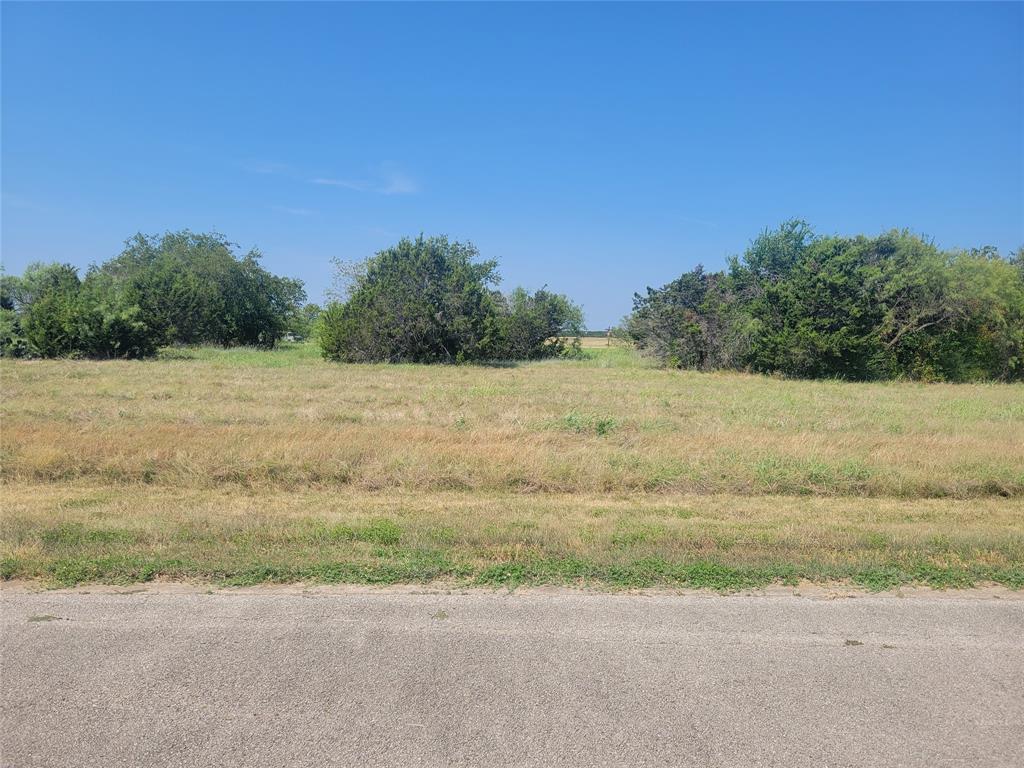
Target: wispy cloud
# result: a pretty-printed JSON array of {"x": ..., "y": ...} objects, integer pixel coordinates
[
  {"x": 387, "y": 180},
  {"x": 359, "y": 186},
  {"x": 398, "y": 183}
]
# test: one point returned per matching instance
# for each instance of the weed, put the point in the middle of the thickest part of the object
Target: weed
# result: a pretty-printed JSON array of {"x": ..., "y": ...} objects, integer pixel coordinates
[
  {"x": 75, "y": 534},
  {"x": 380, "y": 531},
  {"x": 631, "y": 534}
]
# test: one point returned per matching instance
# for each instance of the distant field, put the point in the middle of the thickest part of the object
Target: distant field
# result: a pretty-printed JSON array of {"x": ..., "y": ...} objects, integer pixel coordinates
[
  {"x": 246, "y": 466},
  {"x": 598, "y": 342}
]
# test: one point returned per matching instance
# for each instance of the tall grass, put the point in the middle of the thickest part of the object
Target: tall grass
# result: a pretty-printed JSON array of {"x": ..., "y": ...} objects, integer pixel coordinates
[
  {"x": 243, "y": 465},
  {"x": 606, "y": 423}
]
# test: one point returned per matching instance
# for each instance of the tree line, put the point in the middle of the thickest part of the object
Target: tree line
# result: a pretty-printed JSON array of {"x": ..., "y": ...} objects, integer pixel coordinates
[
  {"x": 179, "y": 288},
  {"x": 425, "y": 300},
  {"x": 857, "y": 308},
  {"x": 794, "y": 303}
]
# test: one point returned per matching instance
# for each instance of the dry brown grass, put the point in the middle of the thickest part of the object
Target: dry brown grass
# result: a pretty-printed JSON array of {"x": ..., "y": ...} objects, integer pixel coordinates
[
  {"x": 251, "y": 466},
  {"x": 560, "y": 427},
  {"x": 77, "y": 533},
  {"x": 598, "y": 342}
]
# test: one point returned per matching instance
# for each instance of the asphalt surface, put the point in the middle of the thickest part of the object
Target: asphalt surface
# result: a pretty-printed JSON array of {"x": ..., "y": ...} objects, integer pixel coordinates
[{"x": 406, "y": 679}]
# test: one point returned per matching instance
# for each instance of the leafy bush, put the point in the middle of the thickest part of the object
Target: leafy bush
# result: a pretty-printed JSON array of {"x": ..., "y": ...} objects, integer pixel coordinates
[
  {"x": 543, "y": 324},
  {"x": 181, "y": 287},
  {"x": 845, "y": 307},
  {"x": 108, "y": 324},
  {"x": 46, "y": 299},
  {"x": 12, "y": 341},
  {"x": 430, "y": 300},
  {"x": 193, "y": 288},
  {"x": 52, "y": 313},
  {"x": 304, "y": 322},
  {"x": 420, "y": 301}
]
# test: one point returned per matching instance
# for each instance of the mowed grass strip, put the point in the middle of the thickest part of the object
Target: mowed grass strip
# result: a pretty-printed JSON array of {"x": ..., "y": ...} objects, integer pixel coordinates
[
  {"x": 75, "y": 534},
  {"x": 286, "y": 420}
]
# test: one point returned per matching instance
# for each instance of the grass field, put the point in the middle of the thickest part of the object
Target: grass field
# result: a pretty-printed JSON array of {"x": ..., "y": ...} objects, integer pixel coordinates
[{"x": 243, "y": 466}]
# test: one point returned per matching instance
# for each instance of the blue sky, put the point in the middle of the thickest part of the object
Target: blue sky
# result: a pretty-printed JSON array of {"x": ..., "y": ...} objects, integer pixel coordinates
[{"x": 597, "y": 149}]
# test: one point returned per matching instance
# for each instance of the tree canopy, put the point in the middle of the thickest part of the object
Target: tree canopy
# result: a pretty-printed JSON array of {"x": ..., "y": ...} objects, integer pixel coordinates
[
  {"x": 193, "y": 288},
  {"x": 432, "y": 300},
  {"x": 794, "y": 303},
  {"x": 180, "y": 287},
  {"x": 844, "y": 307}
]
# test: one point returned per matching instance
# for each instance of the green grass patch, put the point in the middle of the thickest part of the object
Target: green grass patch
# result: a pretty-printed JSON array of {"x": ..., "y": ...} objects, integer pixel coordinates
[
  {"x": 415, "y": 566},
  {"x": 76, "y": 534},
  {"x": 587, "y": 424},
  {"x": 285, "y": 355}
]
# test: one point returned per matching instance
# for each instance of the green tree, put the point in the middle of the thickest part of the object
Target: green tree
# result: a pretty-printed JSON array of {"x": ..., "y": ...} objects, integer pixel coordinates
[
  {"x": 193, "y": 288},
  {"x": 818, "y": 319},
  {"x": 538, "y": 325},
  {"x": 177, "y": 288},
  {"x": 426, "y": 300},
  {"x": 696, "y": 321},
  {"x": 669, "y": 322},
  {"x": 12, "y": 340},
  {"x": 432, "y": 300},
  {"x": 847, "y": 307},
  {"x": 302, "y": 324},
  {"x": 46, "y": 299},
  {"x": 108, "y": 324},
  {"x": 986, "y": 333}
]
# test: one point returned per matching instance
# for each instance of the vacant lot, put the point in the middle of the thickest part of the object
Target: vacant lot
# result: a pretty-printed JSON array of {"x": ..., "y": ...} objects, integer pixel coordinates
[{"x": 246, "y": 466}]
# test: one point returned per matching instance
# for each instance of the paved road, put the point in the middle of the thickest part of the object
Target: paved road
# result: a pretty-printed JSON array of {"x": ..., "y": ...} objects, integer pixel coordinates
[{"x": 405, "y": 679}]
